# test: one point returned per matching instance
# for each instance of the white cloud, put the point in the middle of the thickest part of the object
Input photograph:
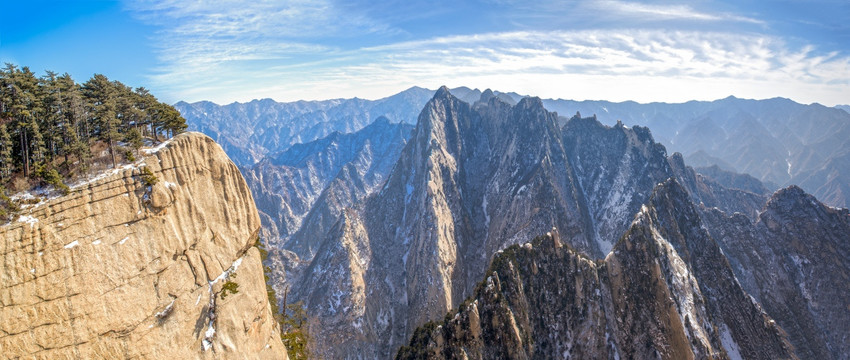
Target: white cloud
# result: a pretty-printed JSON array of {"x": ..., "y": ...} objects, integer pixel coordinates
[
  {"x": 651, "y": 12},
  {"x": 223, "y": 52}
]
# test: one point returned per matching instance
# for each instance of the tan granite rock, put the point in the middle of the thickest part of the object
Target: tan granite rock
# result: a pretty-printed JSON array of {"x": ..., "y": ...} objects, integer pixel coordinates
[{"x": 118, "y": 269}]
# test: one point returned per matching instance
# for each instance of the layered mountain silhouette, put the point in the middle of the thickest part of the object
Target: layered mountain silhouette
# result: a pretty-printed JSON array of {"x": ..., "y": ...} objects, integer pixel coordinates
[
  {"x": 385, "y": 229},
  {"x": 339, "y": 168},
  {"x": 250, "y": 131},
  {"x": 665, "y": 291},
  {"x": 476, "y": 178},
  {"x": 778, "y": 141}
]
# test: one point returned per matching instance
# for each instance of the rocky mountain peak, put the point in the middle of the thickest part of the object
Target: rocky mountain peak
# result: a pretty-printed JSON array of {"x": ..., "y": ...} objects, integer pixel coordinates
[
  {"x": 792, "y": 203},
  {"x": 486, "y": 96},
  {"x": 442, "y": 92},
  {"x": 647, "y": 299},
  {"x": 790, "y": 197}
]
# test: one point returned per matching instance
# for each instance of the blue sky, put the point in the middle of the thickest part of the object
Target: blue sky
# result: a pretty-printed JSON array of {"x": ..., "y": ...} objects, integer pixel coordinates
[{"x": 231, "y": 50}]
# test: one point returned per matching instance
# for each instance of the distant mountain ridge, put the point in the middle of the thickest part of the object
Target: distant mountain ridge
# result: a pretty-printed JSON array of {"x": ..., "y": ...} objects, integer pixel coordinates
[
  {"x": 778, "y": 141},
  {"x": 249, "y": 131},
  {"x": 287, "y": 184},
  {"x": 474, "y": 179},
  {"x": 373, "y": 260}
]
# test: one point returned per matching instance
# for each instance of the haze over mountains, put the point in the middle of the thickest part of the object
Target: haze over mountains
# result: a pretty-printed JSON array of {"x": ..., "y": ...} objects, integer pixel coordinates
[
  {"x": 777, "y": 141},
  {"x": 383, "y": 229},
  {"x": 250, "y": 131}
]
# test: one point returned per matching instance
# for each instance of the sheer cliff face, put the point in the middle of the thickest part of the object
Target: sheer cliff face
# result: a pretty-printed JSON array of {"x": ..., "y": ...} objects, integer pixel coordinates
[
  {"x": 795, "y": 260},
  {"x": 664, "y": 292},
  {"x": 474, "y": 179},
  {"x": 333, "y": 172},
  {"x": 117, "y": 269}
]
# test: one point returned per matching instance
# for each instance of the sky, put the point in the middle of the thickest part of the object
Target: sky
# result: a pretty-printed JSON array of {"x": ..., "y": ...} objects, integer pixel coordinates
[{"x": 233, "y": 50}]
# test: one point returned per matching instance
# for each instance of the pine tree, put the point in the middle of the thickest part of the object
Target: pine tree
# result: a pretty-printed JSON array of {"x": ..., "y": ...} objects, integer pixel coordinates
[
  {"x": 26, "y": 107},
  {"x": 53, "y": 118},
  {"x": 101, "y": 93},
  {"x": 75, "y": 131},
  {"x": 6, "y": 161},
  {"x": 38, "y": 151},
  {"x": 168, "y": 119},
  {"x": 147, "y": 103},
  {"x": 43, "y": 118}
]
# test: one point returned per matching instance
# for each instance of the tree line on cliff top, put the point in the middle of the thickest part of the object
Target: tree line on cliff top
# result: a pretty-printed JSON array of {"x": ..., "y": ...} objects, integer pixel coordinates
[{"x": 53, "y": 129}]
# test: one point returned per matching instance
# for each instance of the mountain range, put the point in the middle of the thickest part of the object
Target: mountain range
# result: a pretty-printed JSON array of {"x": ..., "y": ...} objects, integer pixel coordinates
[
  {"x": 384, "y": 229},
  {"x": 475, "y": 179},
  {"x": 250, "y": 131},
  {"x": 778, "y": 141}
]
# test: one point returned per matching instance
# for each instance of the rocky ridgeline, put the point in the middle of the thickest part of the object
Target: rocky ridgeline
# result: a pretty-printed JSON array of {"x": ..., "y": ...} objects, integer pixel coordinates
[
  {"x": 474, "y": 179},
  {"x": 663, "y": 292},
  {"x": 794, "y": 258},
  {"x": 123, "y": 268},
  {"x": 477, "y": 178}
]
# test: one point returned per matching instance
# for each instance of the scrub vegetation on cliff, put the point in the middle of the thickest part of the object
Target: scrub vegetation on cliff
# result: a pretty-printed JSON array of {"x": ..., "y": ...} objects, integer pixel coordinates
[{"x": 54, "y": 130}]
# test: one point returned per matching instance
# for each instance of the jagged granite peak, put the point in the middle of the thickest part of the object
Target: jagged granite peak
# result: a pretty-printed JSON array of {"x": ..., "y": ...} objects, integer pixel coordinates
[
  {"x": 429, "y": 223},
  {"x": 471, "y": 181},
  {"x": 707, "y": 192},
  {"x": 777, "y": 141},
  {"x": 618, "y": 168},
  {"x": 123, "y": 269},
  {"x": 645, "y": 300},
  {"x": 286, "y": 185},
  {"x": 250, "y": 131},
  {"x": 795, "y": 260}
]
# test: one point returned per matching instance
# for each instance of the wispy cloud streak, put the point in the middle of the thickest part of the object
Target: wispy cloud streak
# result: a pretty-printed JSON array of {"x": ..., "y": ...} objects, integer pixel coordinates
[
  {"x": 652, "y": 12},
  {"x": 227, "y": 51}
]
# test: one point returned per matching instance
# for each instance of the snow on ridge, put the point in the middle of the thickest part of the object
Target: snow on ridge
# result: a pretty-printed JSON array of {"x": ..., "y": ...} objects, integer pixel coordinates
[
  {"x": 72, "y": 244},
  {"x": 157, "y": 148},
  {"x": 209, "y": 335},
  {"x": 89, "y": 179},
  {"x": 27, "y": 219},
  {"x": 229, "y": 270},
  {"x": 729, "y": 344}
]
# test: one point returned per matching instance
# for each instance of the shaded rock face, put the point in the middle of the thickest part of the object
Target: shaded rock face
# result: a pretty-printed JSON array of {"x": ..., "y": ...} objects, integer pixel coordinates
[
  {"x": 117, "y": 269},
  {"x": 250, "y": 131},
  {"x": 335, "y": 171},
  {"x": 472, "y": 180},
  {"x": 664, "y": 292},
  {"x": 734, "y": 180},
  {"x": 777, "y": 141},
  {"x": 617, "y": 167},
  {"x": 795, "y": 260},
  {"x": 708, "y": 193}
]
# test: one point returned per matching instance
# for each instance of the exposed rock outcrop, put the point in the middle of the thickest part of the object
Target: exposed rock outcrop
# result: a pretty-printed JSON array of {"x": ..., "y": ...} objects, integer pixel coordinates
[
  {"x": 795, "y": 260},
  {"x": 120, "y": 269},
  {"x": 331, "y": 172},
  {"x": 663, "y": 292},
  {"x": 472, "y": 180}
]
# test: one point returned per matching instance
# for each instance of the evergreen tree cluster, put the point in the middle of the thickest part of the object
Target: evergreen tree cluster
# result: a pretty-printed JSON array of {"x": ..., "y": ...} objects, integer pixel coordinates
[{"x": 49, "y": 125}]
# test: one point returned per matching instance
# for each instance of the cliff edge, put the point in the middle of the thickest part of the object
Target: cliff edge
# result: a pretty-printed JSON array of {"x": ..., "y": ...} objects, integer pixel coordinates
[{"x": 128, "y": 266}]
